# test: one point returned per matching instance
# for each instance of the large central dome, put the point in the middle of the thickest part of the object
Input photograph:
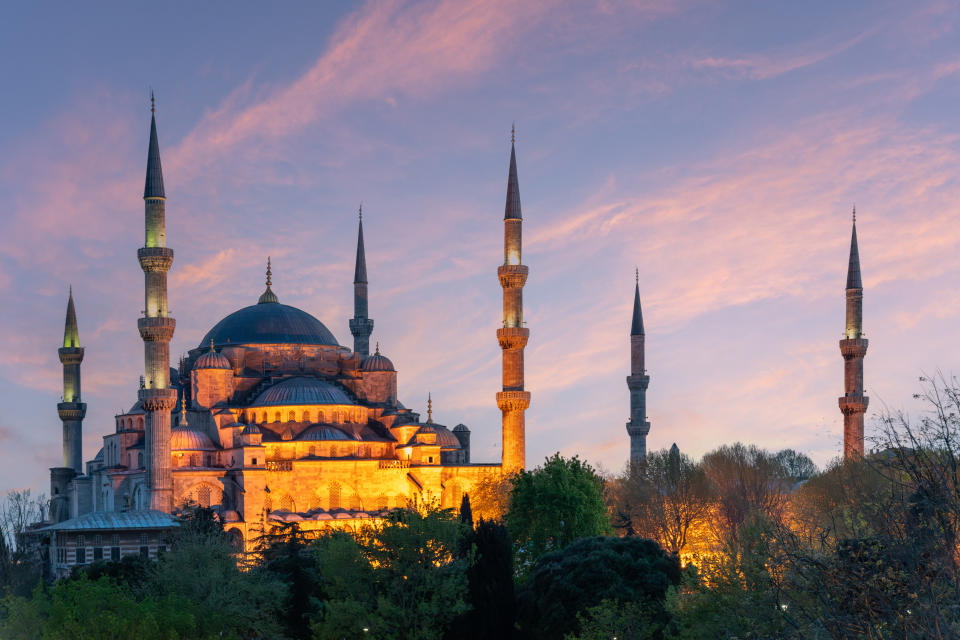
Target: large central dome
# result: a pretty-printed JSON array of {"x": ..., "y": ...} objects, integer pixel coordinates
[{"x": 270, "y": 323}]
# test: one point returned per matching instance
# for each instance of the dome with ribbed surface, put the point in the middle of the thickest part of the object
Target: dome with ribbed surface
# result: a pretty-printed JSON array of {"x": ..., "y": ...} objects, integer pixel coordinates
[
  {"x": 296, "y": 391},
  {"x": 212, "y": 360},
  {"x": 250, "y": 429},
  {"x": 190, "y": 440},
  {"x": 445, "y": 437},
  {"x": 323, "y": 432},
  {"x": 377, "y": 362},
  {"x": 273, "y": 323}
]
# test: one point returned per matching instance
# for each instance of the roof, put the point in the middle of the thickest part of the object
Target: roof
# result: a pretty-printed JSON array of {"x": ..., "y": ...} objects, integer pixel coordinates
[
  {"x": 105, "y": 520},
  {"x": 71, "y": 337},
  {"x": 212, "y": 360},
  {"x": 445, "y": 438},
  {"x": 269, "y": 324},
  {"x": 377, "y": 362},
  {"x": 853, "y": 267},
  {"x": 636, "y": 328},
  {"x": 190, "y": 440},
  {"x": 512, "y": 209},
  {"x": 299, "y": 390},
  {"x": 322, "y": 432},
  {"x": 153, "y": 187},
  {"x": 360, "y": 270}
]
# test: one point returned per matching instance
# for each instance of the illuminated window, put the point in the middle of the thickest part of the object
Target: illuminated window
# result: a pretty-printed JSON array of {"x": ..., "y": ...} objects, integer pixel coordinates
[
  {"x": 306, "y": 416},
  {"x": 312, "y": 451},
  {"x": 320, "y": 416},
  {"x": 276, "y": 417},
  {"x": 286, "y": 503},
  {"x": 291, "y": 417},
  {"x": 203, "y": 497}
]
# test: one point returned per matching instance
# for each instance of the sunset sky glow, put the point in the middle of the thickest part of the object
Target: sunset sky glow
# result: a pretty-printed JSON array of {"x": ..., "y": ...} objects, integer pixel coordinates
[{"x": 718, "y": 147}]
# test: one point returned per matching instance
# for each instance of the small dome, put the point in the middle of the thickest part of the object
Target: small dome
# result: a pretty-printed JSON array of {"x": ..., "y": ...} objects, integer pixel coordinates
[
  {"x": 461, "y": 427},
  {"x": 212, "y": 360},
  {"x": 445, "y": 437},
  {"x": 250, "y": 429},
  {"x": 190, "y": 440},
  {"x": 323, "y": 432},
  {"x": 297, "y": 391},
  {"x": 377, "y": 362}
]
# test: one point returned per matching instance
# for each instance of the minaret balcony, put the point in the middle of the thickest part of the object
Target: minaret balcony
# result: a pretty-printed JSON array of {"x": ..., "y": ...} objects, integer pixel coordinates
[
  {"x": 513, "y": 400},
  {"x": 853, "y": 347},
  {"x": 513, "y": 337},
  {"x": 512, "y": 276},
  {"x": 640, "y": 428},
  {"x": 156, "y": 329},
  {"x": 853, "y": 403},
  {"x": 72, "y": 410},
  {"x": 70, "y": 355},
  {"x": 158, "y": 399},
  {"x": 638, "y": 382},
  {"x": 155, "y": 258}
]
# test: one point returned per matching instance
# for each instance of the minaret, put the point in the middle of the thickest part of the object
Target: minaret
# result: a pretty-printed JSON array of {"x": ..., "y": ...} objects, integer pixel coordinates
[
  {"x": 360, "y": 325},
  {"x": 72, "y": 412},
  {"x": 156, "y": 329},
  {"x": 513, "y": 400},
  {"x": 853, "y": 404},
  {"x": 637, "y": 382}
]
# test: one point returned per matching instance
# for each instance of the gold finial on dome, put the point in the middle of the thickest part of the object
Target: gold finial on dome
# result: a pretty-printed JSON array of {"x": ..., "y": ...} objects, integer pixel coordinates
[
  {"x": 211, "y": 345},
  {"x": 268, "y": 295},
  {"x": 377, "y": 351}
]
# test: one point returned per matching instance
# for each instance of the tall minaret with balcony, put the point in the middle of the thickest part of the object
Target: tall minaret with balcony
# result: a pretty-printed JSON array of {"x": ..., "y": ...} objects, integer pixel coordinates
[
  {"x": 360, "y": 325},
  {"x": 637, "y": 382},
  {"x": 156, "y": 328},
  {"x": 513, "y": 400},
  {"x": 72, "y": 411},
  {"x": 853, "y": 347}
]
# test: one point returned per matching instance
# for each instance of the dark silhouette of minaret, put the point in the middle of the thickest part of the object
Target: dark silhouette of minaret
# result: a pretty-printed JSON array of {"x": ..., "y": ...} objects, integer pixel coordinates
[
  {"x": 513, "y": 401},
  {"x": 360, "y": 325},
  {"x": 156, "y": 328},
  {"x": 853, "y": 347},
  {"x": 637, "y": 382},
  {"x": 72, "y": 411}
]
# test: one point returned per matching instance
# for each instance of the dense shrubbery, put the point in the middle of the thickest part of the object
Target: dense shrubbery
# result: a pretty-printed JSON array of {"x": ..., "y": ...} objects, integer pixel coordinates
[{"x": 865, "y": 549}]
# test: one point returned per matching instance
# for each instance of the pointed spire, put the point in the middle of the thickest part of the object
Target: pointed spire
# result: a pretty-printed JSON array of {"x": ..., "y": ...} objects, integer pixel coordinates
[
  {"x": 429, "y": 408},
  {"x": 377, "y": 352},
  {"x": 360, "y": 272},
  {"x": 71, "y": 335},
  {"x": 512, "y": 209},
  {"x": 268, "y": 296},
  {"x": 853, "y": 268},
  {"x": 636, "y": 329},
  {"x": 153, "y": 188}
]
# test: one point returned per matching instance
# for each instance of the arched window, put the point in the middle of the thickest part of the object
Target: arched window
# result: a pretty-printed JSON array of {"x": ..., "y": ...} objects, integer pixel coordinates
[
  {"x": 236, "y": 539},
  {"x": 312, "y": 451},
  {"x": 203, "y": 497},
  {"x": 286, "y": 503},
  {"x": 195, "y": 460},
  {"x": 315, "y": 502},
  {"x": 334, "y": 495},
  {"x": 140, "y": 423},
  {"x": 276, "y": 416},
  {"x": 320, "y": 416},
  {"x": 306, "y": 416},
  {"x": 292, "y": 416}
]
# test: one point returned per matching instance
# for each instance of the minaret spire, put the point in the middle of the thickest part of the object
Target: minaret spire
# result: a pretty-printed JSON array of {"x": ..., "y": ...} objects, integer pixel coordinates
[
  {"x": 853, "y": 347},
  {"x": 360, "y": 325},
  {"x": 156, "y": 328},
  {"x": 71, "y": 411},
  {"x": 638, "y": 427},
  {"x": 513, "y": 400}
]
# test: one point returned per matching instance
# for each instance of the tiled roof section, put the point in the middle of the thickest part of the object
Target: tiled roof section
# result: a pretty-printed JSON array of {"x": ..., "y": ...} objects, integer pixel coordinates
[
  {"x": 153, "y": 188},
  {"x": 106, "y": 520},
  {"x": 269, "y": 324},
  {"x": 853, "y": 268},
  {"x": 301, "y": 391},
  {"x": 636, "y": 328},
  {"x": 512, "y": 209},
  {"x": 360, "y": 271}
]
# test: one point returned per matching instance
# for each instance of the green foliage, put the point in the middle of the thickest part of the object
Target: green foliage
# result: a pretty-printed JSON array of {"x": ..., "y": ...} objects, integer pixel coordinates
[
  {"x": 490, "y": 585},
  {"x": 614, "y": 619},
  {"x": 402, "y": 578},
  {"x": 568, "y": 582},
  {"x": 553, "y": 505}
]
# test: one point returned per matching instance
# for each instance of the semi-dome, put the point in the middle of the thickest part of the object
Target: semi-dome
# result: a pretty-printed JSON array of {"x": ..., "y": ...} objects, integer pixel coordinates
[
  {"x": 323, "y": 432},
  {"x": 269, "y": 323},
  {"x": 445, "y": 437},
  {"x": 301, "y": 391},
  {"x": 250, "y": 429},
  {"x": 212, "y": 360},
  {"x": 190, "y": 440}
]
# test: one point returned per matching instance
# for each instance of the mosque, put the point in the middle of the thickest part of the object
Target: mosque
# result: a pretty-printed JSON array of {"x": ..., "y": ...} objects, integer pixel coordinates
[{"x": 269, "y": 419}]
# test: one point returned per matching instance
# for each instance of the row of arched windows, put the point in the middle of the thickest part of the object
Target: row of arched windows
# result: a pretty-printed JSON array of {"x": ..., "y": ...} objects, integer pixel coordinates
[
  {"x": 127, "y": 424},
  {"x": 335, "y": 417}
]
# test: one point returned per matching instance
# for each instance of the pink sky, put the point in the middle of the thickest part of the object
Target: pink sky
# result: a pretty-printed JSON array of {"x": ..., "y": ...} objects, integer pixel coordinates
[{"x": 718, "y": 149}]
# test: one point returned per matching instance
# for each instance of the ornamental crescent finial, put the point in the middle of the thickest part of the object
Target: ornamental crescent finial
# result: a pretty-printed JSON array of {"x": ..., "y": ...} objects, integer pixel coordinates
[{"x": 269, "y": 272}]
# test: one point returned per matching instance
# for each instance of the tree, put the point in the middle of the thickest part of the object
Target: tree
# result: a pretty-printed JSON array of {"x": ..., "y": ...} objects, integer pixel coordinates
[
  {"x": 286, "y": 557},
  {"x": 745, "y": 481},
  {"x": 662, "y": 498},
  {"x": 466, "y": 513},
  {"x": 553, "y": 505},
  {"x": 490, "y": 591},
  {"x": 20, "y": 567},
  {"x": 570, "y": 581}
]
